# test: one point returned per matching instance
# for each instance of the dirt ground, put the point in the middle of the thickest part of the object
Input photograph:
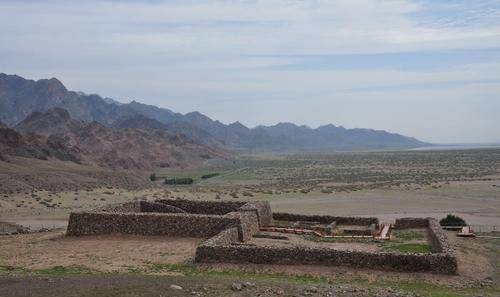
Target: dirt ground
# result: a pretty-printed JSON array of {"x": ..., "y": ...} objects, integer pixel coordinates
[
  {"x": 478, "y": 258},
  {"x": 300, "y": 241},
  {"x": 386, "y": 185},
  {"x": 303, "y": 188},
  {"x": 162, "y": 286},
  {"x": 105, "y": 253},
  {"x": 478, "y": 202}
]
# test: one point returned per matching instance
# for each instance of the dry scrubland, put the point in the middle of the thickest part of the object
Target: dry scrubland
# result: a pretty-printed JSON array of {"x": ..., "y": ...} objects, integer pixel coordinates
[{"x": 385, "y": 184}]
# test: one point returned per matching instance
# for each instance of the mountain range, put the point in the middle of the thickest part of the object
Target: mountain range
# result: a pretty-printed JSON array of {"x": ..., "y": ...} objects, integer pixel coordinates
[
  {"x": 22, "y": 99},
  {"x": 54, "y": 134}
]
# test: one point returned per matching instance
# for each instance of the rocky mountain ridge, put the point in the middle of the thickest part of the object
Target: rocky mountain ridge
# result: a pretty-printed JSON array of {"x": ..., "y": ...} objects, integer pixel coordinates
[
  {"x": 20, "y": 97},
  {"x": 54, "y": 134}
]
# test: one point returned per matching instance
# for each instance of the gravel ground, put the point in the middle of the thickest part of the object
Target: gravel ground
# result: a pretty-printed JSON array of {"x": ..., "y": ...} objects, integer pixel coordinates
[{"x": 162, "y": 286}]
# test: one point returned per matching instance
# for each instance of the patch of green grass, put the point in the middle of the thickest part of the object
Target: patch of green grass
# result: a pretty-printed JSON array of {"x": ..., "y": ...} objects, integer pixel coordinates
[
  {"x": 421, "y": 288},
  {"x": 338, "y": 239},
  {"x": 63, "y": 270},
  {"x": 407, "y": 235},
  {"x": 193, "y": 270},
  {"x": 7, "y": 270}
]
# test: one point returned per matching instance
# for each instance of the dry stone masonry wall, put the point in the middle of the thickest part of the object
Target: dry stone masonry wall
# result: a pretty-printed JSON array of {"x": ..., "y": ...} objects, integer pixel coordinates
[
  {"x": 222, "y": 248},
  {"x": 322, "y": 219},
  {"x": 203, "y": 207},
  {"x": 172, "y": 217},
  {"x": 172, "y": 224},
  {"x": 228, "y": 224},
  {"x": 211, "y": 252},
  {"x": 406, "y": 223}
]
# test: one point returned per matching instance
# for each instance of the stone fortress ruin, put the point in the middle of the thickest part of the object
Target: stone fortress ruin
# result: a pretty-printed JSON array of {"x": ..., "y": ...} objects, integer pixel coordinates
[{"x": 249, "y": 232}]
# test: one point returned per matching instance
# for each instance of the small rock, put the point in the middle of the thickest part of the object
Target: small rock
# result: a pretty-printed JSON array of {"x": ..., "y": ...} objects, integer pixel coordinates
[
  {"x": 236, "y": 287},
  {"x": 175, "y": 287}
]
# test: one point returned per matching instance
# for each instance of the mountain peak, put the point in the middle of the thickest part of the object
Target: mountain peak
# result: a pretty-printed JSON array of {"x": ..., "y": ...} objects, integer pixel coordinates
[
  {"x": 54, "y": 120},
  {"x": 328, "y": 126},
  {"x": 238, "y": 125},
  {"x": 53, "y": 85}
]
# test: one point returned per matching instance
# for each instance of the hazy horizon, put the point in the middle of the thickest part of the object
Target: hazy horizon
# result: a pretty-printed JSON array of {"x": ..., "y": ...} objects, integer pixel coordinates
[{"x": 425, "y": 69}]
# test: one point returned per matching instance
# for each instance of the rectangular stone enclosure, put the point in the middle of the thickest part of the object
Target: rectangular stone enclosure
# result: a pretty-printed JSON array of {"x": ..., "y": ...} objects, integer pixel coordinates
[
  {"x": 228, "y": 225},
  {"x": 173, "y": 218}
]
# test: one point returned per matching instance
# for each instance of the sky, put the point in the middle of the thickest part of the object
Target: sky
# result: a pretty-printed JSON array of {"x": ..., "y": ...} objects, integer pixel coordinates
[{"x": 424, "y": 68}]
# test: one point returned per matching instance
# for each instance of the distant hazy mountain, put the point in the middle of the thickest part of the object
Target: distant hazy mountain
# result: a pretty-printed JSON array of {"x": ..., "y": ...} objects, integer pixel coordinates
[{"x": 20, "y": 97}]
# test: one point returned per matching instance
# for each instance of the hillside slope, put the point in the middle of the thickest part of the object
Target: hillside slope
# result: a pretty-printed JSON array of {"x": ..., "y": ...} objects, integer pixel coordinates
[{"x": 55, "y": 134}]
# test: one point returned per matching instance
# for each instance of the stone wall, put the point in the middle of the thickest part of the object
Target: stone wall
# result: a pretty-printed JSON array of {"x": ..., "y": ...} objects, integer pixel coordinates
[
  {"x": 444, "y": 260},
  {"x": 169, "y": 217},
  {"x": 211, "y": 251},
  {"x": 139, "y": 206},
  {"x": 224, "y": 248},
  {"x": 262, "y": 208},
  {"x": 248, "y": 223},
  {"x": 264, "y": 213},
  {"x": 438, "y": 239},
  {"x": 325, "y": 219},
  {"x": 134, "y": 206},
  {"x": 172, "y": 224},
  {"x": 406, "y": 223},
  {"x": 224, "y": 238},
  {"x": 447, "y": 260},
  {"x": 159, "y": 207},
  {"x": 203, "y": 207},
  {"x": 227, "y": 224}
]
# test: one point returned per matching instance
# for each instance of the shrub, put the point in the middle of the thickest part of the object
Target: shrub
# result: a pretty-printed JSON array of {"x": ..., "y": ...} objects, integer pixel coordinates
[
  {"x": 179, "y": 181},
  {"x": 152, "y": 177},
  {"x": 452, "y": 220},
  {"x": 209, "y": 175}
]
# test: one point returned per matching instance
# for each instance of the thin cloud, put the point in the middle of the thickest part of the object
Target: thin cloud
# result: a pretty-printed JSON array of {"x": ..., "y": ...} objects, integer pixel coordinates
[{"x": 296, "y": 58}]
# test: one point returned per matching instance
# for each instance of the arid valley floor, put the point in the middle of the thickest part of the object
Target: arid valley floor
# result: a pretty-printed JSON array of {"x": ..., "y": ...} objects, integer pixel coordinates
[{"x": 386, "y": 185}]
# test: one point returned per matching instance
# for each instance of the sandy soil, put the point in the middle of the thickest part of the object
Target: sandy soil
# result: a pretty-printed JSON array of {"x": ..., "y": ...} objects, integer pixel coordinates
[
  {"x": 30, "y": 209},
  {"x": 476, "y": 201},
  {"x": 103, "y": 253}
]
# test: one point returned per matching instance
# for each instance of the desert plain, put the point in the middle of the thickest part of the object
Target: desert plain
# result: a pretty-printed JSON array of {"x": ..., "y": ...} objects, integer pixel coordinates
[{"x": 40, "y": 195}]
